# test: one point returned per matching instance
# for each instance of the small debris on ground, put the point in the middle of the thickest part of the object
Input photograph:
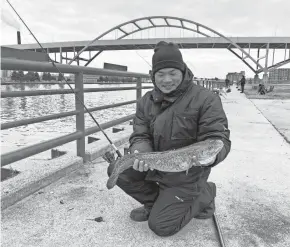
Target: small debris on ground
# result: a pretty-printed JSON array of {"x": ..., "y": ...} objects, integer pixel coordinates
[
  {"x": 61, "y": 202},
  {"x": 70, "y": 209},
  {"x": 98, "y": 219}
]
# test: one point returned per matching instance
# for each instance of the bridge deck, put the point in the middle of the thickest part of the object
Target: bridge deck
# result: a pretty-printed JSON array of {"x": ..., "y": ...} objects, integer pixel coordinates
[
  {"x": 185, "y": 43},
  {"x": 252, "y": 199}
]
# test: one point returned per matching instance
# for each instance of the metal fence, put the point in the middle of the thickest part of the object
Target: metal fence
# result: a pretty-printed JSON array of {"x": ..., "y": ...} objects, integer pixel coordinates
[{"x": 81, "y": 132}]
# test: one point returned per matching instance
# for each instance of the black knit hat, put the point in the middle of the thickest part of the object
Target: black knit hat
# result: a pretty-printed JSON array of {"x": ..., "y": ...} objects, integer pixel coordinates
[{"x": 167, "y": 55}]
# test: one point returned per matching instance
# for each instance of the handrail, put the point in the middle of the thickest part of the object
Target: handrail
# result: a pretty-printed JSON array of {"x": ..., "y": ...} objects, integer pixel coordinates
[
  {"x": 22, "y": 122},
  {"x": 22, "y": 153},
  {"x": 15, "y": 94},
  {"x": 81, "y": 131},
  {"x": 95, "y": 129},
  {"x": 62, "y": 83},
  {"x": 26, "y": 65},
  {"x": 27, "y": 121},
  {"x": 64, "y": 91}
]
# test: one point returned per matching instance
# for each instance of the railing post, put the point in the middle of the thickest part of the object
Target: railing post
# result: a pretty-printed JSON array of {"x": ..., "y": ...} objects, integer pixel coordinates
[
  {"x": 80, "y": 117},
  {"x": 139, "y": 89}
]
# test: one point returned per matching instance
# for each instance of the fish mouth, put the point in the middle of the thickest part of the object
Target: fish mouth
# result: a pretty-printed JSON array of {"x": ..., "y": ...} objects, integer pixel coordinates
[
  {"x": 111, "y": 183},
  {"x": 218, "y": 146}
]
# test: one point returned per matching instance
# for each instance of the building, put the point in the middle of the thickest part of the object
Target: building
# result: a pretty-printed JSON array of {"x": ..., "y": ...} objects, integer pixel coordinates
[
  {"x": 90, "y": 78},
  {"x": 277, "y": 75},
  {"x": 96, "y": 78},
  {"x": 235, "y": 76},
  {"x": 4, "y": 73}
]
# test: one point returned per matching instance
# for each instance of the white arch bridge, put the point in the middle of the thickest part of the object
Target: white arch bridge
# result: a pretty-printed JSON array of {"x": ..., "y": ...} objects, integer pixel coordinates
[{"x": 241, "y": 47}]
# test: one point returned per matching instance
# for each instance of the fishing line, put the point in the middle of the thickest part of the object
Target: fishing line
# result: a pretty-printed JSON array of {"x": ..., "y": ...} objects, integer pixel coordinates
[
  {"x": 112, "y": 144},
  {"x": 53, "y": 63},
  {"x": 143, "y": 58}
]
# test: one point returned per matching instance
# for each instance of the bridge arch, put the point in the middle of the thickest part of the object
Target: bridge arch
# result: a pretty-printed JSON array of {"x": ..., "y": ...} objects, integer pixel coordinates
[{"x": 182, "y": 25}]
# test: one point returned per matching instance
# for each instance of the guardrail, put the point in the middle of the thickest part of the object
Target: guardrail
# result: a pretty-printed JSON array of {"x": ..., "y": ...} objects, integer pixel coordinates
[{"x": 81, "y": 131}]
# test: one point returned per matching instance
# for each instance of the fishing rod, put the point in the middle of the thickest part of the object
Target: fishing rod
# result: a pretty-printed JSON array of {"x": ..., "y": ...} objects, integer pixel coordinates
[
  {"x": 112, "y": 144},
  {"x": 62, "y": 75}
]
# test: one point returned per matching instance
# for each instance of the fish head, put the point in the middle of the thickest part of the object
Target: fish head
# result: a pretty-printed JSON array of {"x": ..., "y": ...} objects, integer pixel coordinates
[
  {"x": 211, "y": 148},
  {"x": 216, "y": 146}
]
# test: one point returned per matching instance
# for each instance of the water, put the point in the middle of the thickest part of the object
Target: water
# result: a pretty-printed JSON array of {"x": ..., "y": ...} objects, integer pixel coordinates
[{"x": 35, "y": 106}]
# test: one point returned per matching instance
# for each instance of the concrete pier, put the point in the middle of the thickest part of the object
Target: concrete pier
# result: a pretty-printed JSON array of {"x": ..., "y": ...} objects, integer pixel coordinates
[{"x": 252, "y": 204}]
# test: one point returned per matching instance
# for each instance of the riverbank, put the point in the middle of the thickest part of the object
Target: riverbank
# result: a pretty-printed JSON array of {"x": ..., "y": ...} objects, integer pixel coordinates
[
  {"x": 275, "y": 106},
  {"x": 280, "y": 92}
]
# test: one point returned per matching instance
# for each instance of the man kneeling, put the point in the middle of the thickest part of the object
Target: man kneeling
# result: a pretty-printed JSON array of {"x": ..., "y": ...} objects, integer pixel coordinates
[{"x": 176, "y": 113}]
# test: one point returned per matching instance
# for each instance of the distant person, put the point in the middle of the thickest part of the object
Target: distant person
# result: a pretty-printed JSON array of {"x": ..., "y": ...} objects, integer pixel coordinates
[
  {"x": 261, "y": 89},
  {"x": 175, "y": 114},
  {"x": 243, "y": 82},
  {"x": 227, "y": 81}
]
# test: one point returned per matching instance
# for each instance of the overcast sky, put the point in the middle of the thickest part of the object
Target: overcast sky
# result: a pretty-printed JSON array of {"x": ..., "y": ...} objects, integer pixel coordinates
[{"x": 69, "y": 20}]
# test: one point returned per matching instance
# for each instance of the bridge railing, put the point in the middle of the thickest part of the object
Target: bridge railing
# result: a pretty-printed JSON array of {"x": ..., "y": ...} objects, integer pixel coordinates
[{"x": 81, "y": 132}]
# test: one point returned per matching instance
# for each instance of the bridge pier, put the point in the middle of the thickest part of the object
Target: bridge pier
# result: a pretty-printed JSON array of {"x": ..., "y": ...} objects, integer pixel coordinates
[
  {"x": 256, "y": 79},
  {"x": 60, "y": 54},
  {"x": 265, "y": 78}
]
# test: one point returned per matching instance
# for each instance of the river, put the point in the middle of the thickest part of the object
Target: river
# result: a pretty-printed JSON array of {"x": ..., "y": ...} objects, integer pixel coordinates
[{"x": 35, "y": 106}]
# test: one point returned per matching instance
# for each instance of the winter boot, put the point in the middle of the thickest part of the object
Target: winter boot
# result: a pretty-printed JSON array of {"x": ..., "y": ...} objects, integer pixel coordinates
[{"x": 140, "y": 214}]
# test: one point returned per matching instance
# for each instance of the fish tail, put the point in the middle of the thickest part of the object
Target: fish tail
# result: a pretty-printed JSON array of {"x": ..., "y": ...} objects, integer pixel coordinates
[{"x": 112, "y": 181}]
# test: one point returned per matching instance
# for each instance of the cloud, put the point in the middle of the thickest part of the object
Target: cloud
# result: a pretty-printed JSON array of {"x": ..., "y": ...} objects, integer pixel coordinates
[
  {"x": 8, "y": 16},
  {"x": 66, "y": 20}
]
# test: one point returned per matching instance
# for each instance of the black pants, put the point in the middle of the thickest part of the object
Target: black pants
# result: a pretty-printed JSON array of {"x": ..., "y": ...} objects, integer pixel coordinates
[
  {"x": 172, "y": 206},
  {"x": 242, "y": 88}
]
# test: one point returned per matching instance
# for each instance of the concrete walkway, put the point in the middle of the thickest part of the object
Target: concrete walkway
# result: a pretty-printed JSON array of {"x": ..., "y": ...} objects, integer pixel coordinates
[
  {"x": 278, "y": 113},
  {"x": 253, "y": 202}
]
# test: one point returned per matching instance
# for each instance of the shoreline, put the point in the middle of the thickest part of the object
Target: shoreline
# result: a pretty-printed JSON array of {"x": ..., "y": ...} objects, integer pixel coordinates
[{"x": 274, "y": 106}]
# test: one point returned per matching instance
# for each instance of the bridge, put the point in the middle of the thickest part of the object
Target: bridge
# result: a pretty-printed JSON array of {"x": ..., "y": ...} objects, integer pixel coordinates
[
  {"x": 241, "y": 47},
  {"x": 147, "y": 44},
  {"x": 57, "y": 210}
]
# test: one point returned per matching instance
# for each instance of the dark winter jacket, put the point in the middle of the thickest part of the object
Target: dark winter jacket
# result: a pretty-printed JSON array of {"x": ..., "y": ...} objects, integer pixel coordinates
[
  {"x": 190, "y": 114},
  {"x": 243, "y": 81}
]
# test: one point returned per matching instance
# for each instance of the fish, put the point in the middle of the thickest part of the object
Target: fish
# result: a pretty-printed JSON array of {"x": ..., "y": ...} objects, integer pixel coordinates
[{"x": 178, "y": 160}]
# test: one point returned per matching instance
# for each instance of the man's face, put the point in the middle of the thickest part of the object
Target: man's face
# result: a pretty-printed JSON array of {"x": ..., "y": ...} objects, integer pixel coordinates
[{"x": 168, "y": 79}]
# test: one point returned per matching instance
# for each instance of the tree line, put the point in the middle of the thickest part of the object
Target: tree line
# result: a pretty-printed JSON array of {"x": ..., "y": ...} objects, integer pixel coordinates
[
  {"x": 116, "y": 79},
  {"x": 46, "y": 76},
  {"x": 34, "y": 76}
]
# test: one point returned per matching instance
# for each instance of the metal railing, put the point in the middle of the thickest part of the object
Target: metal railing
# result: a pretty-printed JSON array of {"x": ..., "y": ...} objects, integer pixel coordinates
[{"x": 81, "y": 132}]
